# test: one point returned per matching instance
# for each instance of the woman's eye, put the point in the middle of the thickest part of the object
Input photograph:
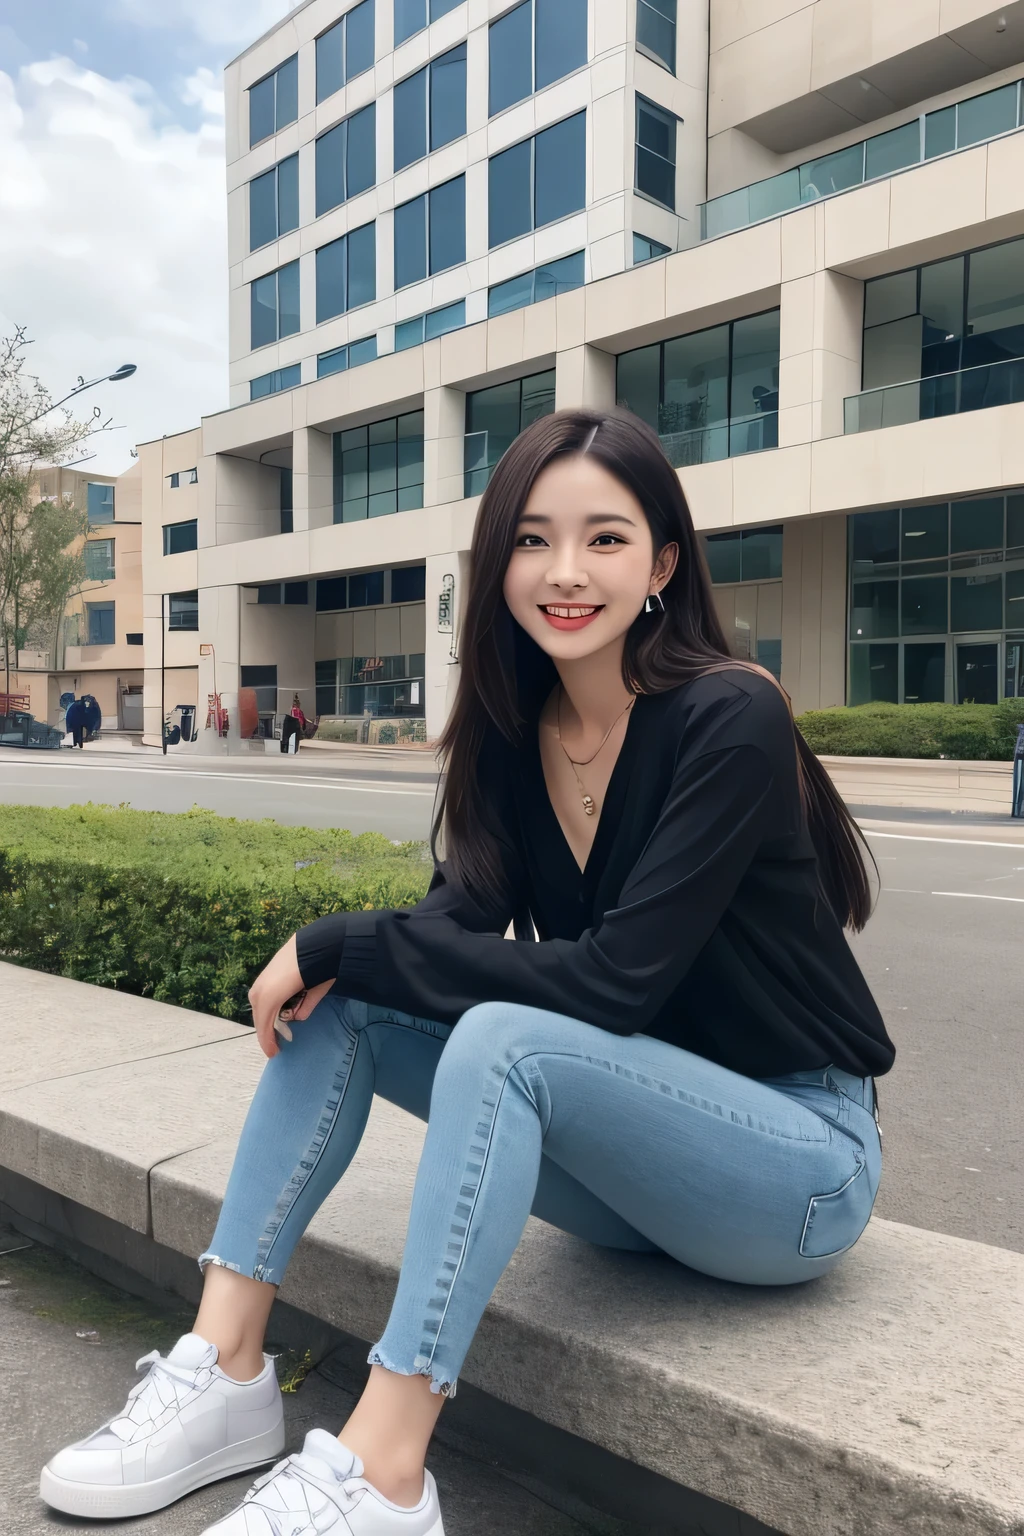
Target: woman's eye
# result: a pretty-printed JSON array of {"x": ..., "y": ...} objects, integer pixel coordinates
[{"x": 613, "y": 536}]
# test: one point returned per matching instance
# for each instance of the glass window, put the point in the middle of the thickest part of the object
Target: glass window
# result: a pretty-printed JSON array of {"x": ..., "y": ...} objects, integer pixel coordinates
[
  {"x": 892, "y": 151},
  {"x": 413, "y": 15},
  {"x": 723, "y": 557},
  {"x": 940, "y": 132},
  {"x": 430, "y": 232},
  {"x": 942, "y": 311},
  {"x": 378, "y": 469},
  {"x": 875, "y": 539},
  {"x": 411, "y": 242},
  {"x": 174, "y": 480},
  {"x": 556, "y": 277},
  {"x": 274, "y": 101},
  {"x": 99, "y": 558},
  {"x": 695, "y": 393},
  {"x": 409, "y": 333},
  {"x": 430, "y": 107},
  {"x": 510, "y": 58},
  {"x": 924, "y": 606},
  {"x": 995, "y": 304},
  {"x": 1014, "y": 522},
  {"x": 494, "y": 419},
  {"x": 296, "y": 592},
  {"x": 638, "y": 383},
  {"x": 274, "y": 203},
  {"x": 561, "y": 39},
  {"x": 446, "y": 212},
  {"x": 646, "y": 250},
  {"x": 410, "y": 119},
  {"x": 183, "y": 610},
  {"x": 438, "y": 322},
  {"x": 924, "y": 673},
  {"x": 874, "y": 610},
  {"x": 560, "y": 169},
  {"x": 345, "y": 50},
  {"x": 272, "y": 383},
  {"x": 1015, "y": 600},
  {"x": 274, "y": 305},
  {"x": 346, "y": 159},
  {"x": 101, "y": 623},
  {"x": 976, "y": 524},
  {"x": 366, "y": 589},
  {"x": 890, "y": 298},
  {"x": 656, "y": 30},
  {"x": 874, "y": 674},
  {"x": 409, "y": 584},
  {"x": 509, "y": 193},
  {"x": 99, "y": 503},
  {"x": 976, "y": 602},
  {"x": 761, "y": 550},
  {"x": 179, "y": 537},
  {"x": 774, "y": 195},
  {"x": 925, "y": 533},
  {"x": 655, "y": 171},
  {"x": 448, "y": 97},
  {"x": 335, "y": 361},
  {"x": 346, "y": 273},
  {"x": 754, "y": 396},
  {"x": 362, "y": 351},
  {"x": 982, "y": 117},
  {"x": 331, "y": 593}
]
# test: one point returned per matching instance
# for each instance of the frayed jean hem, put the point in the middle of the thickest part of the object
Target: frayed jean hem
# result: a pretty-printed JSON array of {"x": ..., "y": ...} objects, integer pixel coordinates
[
  {"x": 446, "y": 1389},
  {"x": 261, "y": 1272}
]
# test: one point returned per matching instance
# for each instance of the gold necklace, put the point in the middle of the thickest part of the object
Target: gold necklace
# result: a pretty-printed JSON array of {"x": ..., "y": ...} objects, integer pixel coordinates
[{"x": 588, "y": 800}]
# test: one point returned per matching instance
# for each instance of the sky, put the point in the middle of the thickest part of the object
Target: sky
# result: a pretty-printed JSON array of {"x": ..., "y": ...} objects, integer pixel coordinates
[{"x": 113, "y": 244}]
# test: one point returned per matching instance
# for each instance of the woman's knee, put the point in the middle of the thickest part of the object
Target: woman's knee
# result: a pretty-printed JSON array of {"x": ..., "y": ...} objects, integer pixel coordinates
[{"x": 503, "y": 1032}]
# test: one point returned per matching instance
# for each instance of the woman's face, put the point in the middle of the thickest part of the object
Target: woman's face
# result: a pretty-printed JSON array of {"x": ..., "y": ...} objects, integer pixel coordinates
[{"x": 582, "y": 562}]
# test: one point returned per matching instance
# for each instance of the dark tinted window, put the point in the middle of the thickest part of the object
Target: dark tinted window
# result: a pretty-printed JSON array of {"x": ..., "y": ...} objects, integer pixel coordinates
[
  {"x": 509, "y": 196},
  {"x": 346, "y": 159},
  {"x": 412, "y": 15},
  {"x": 261, "y": 110},
  {"x": 362, "y": 266},
  {"x": 656, "y": 29},
  {"x": 274, "y": 305},
  {"x": 179, "y": 537},
  {"x": 345, "y": 50},
  {"x": 288, "y": 299},
  {"x": 655, "y": 153},
  {"x": 274, "y": 102},
  {"x": 411, "y": 242},
  {"x": 287, "y": 106},
  {"x": 288, "y": 195},
  {"x": 510, "y": 57},
  {"x": 447, "y": 236},
  {"x": 345, "y": 273},
  {"x": 560, "y": 170},
  {"x": 561, "y": 39},
  {"x": 263, "y": 209},
  {"x": 366, "y": 589},
  {"x": 448, "y": 97},
  {"x": 410, "y": 105},
  {"x": 331, "y": 593},
  {"x": 409, "y": 584}
]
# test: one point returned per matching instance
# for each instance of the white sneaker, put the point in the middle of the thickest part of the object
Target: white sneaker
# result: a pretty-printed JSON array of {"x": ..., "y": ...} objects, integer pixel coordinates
[
  {"x": 184, "y": 1425},
  {"x": 321, "y": 1491}
]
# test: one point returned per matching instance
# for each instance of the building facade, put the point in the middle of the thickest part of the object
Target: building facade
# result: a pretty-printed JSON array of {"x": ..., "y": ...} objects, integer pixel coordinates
[
  {"x": 98, "y": 646},
  {"x": 791, "y": 237}
]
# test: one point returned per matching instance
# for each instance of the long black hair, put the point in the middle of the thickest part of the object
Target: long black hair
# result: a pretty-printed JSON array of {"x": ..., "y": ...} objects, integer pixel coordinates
[{"x": 505, "y": 674}]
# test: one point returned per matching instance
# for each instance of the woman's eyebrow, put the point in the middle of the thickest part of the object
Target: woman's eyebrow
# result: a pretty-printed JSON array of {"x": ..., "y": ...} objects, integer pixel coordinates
[{"x": 591, "y": 517}]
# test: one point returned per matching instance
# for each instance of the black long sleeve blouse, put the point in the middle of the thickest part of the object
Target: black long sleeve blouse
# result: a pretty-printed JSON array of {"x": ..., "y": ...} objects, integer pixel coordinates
[{"x": 698, "y": 918}]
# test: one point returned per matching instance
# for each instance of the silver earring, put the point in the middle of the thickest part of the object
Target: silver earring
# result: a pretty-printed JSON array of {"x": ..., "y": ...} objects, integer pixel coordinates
[{"x": 654, "y": 603}]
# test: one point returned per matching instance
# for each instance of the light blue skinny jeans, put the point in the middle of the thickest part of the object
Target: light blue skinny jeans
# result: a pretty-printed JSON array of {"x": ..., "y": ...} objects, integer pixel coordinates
[{"x": 625, "y": 1141}]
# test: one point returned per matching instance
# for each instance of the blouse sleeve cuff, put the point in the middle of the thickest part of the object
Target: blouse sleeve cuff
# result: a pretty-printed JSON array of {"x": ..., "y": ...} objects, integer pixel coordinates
[{"x": 318, "y": 948}]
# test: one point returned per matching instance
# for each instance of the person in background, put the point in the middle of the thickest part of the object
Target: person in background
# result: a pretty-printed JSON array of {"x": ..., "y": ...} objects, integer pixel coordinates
[
  {"x": 75, "y": 721},
  {"x": 293, "y": 725}
]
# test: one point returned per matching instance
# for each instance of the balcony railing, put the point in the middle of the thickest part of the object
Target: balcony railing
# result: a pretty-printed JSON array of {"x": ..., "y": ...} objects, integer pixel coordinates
[
  {"x": 973, "y": 121},
  {"x": 944, "y": 394},
  {"x": 744, "y": 434}
]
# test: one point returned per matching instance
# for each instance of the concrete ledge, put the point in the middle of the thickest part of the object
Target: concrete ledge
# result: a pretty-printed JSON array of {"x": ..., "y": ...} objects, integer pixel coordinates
[
  {"x": 926, "y": 783},
  {"x": 887, "y": 1396}
]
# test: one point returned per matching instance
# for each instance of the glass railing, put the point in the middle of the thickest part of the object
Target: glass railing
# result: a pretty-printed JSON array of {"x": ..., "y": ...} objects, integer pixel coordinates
[
  {"x": 973, "y": 121},
  {"x": 703, "y": 445},
  {"x": 944, "y": 394}
]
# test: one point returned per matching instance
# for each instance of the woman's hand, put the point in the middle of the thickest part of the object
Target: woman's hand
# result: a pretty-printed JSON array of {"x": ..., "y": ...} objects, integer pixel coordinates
[{"x": 278, "y": 982}]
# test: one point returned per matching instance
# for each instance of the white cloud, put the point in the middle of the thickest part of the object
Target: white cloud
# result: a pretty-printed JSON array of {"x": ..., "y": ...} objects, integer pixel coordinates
[
  {"x": 113, "y": 244},
  {"x": 235, "y": 23}
]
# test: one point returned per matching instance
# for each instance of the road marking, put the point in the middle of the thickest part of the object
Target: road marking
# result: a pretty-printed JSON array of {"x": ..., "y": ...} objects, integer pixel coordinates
[
  {"x": 979, "y": 896},
  {"x": 956, "y": 842},
  {"x": 361, "y": 788}
]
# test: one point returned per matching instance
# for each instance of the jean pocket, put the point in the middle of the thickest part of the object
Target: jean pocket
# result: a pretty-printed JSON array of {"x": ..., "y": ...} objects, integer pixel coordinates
[{"x": 834, "y": 1221}]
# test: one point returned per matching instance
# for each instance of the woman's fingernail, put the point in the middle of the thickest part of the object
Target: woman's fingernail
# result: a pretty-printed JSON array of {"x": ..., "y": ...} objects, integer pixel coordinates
[{"x": 282, "y": 1029}]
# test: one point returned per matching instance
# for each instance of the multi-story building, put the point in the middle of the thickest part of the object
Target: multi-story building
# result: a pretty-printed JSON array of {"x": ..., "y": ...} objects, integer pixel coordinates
[
  {"x": 97, "y": 647},
  {"x": 790, "y": 236}
]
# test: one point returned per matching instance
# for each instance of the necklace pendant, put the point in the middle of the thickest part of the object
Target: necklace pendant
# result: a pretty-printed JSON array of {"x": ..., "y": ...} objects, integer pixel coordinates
[{"x": 588, "y": 804}]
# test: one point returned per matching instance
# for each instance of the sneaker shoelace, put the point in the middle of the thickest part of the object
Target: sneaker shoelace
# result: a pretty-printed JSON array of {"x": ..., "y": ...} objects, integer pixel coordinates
[
  {"x": 299, "y": 1474},
  {"x": 165, "y": 1386}
]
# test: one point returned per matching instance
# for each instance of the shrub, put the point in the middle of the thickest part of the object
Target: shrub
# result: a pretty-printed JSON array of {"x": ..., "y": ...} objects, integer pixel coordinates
[
  {"x": 184, "y": 908},
  {"x": 977, "y": 732}
]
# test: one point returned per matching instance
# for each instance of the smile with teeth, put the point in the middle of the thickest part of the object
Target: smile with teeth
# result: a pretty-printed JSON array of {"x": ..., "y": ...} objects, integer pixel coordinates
[{"x": 574, "y": 611}]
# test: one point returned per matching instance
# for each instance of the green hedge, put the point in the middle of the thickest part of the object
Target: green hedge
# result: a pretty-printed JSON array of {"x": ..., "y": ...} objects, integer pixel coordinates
[
  {"x": 975, "y": 732},
  {"x": 185, "y": 908}
]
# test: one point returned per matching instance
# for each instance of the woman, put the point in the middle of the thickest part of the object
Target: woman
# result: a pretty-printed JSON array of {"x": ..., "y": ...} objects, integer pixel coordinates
[
  {"x": 293, "y": 725},
  {"x": 682, "y": 1064}
]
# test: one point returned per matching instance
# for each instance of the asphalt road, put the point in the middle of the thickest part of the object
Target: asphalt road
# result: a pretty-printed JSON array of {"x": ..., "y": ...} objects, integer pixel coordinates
[{"x": 944, "y": 954}]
